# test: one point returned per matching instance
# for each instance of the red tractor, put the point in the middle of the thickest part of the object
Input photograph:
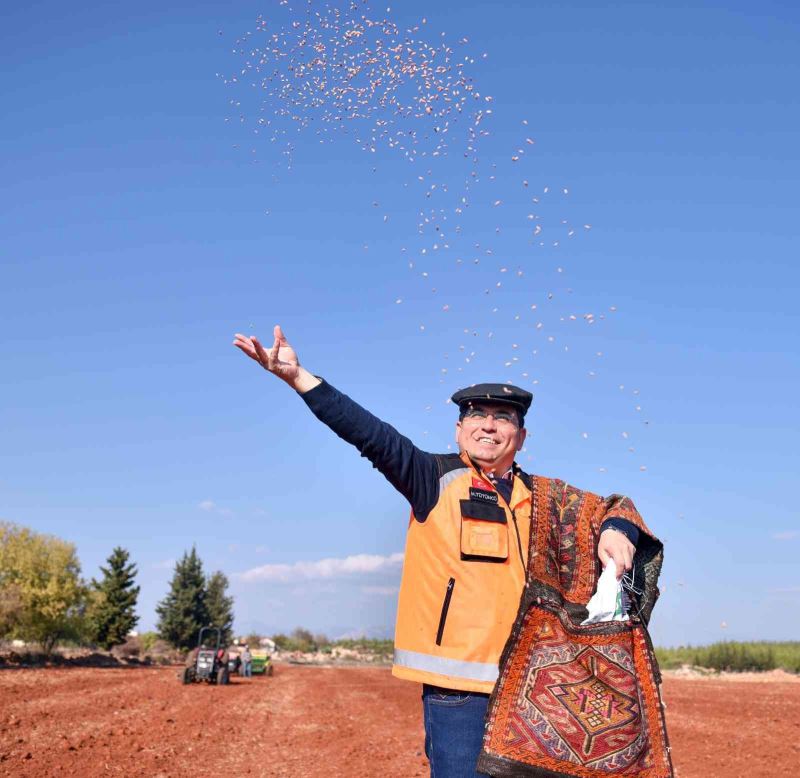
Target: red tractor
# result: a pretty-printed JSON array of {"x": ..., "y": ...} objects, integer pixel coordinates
[{"x": 209, "y": 661}]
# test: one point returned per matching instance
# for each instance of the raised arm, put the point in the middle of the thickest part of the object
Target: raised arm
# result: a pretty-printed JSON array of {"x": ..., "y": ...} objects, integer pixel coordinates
[
  {"x": 281, "y": 360},
  {"x": 413, "y": 472}
]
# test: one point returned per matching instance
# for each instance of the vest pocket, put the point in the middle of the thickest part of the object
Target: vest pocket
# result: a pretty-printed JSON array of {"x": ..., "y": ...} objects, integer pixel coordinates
[
  {"x": 448, "y": 594},
  {"x": 484, "y": 532}
]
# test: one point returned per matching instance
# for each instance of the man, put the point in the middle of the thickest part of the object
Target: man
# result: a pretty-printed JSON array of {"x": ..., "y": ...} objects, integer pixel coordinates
[
  {"x": 467, "y": 544},
  {"x": 247, "y": 662}
]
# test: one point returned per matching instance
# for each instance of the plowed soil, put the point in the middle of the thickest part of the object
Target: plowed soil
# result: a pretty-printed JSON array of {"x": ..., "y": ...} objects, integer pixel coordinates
[{"x": 318, "y": 721}]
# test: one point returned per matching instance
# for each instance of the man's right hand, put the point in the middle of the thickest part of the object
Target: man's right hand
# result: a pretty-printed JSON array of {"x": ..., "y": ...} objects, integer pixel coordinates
[{"x": 281, "y": 360}]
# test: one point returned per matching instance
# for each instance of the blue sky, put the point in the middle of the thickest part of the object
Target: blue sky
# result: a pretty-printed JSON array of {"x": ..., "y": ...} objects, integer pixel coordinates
[{"x": 141, "y": 230}]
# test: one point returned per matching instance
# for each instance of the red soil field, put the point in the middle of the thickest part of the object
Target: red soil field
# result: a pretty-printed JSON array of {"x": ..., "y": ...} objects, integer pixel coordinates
[{"x": 327, "y": 721}]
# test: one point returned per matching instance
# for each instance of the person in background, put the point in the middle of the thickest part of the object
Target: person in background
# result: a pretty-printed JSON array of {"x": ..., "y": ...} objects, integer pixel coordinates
[{"x": 247, "y": 662}]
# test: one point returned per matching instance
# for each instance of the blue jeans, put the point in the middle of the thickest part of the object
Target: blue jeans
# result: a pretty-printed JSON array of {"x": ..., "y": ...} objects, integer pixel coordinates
[
  {"x": 453, "y": 730},
  {"x": 247, "y": 669}
]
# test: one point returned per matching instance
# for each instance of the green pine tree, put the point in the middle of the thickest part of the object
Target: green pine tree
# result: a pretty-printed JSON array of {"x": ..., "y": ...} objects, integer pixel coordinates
[
  {"x": 113, "y": 615},
  {"x": 184, "y": 611},
  {"x": 220, "y": 605}
]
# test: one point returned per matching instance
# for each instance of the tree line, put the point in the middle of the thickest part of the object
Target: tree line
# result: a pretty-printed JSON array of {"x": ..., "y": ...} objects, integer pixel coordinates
[{"x": 44, "y": 599}]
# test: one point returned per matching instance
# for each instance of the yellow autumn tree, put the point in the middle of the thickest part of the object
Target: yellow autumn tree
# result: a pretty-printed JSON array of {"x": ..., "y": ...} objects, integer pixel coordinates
[{"x": 42, "y": 595}]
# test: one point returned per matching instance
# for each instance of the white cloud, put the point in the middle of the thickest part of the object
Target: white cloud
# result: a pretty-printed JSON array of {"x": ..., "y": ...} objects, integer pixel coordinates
[
  {"x": 384, "y": 591},
  {"x": 359, "y": 564},
  {"x": 790, "y": 534},
  {"x": 164, "y": 564},
  {"x": 786, "y": 590},
  {"x": 211, "y": 507}
]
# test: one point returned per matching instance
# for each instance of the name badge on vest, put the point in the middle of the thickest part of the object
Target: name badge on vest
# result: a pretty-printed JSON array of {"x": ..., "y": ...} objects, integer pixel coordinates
[
  {"x": 484, "y": 530},
  {"x": 482, "y": 495}
]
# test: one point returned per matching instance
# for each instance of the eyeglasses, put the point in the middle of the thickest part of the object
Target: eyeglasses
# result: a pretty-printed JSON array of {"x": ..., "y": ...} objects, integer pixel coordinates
[{"x": 501, "y": 417}]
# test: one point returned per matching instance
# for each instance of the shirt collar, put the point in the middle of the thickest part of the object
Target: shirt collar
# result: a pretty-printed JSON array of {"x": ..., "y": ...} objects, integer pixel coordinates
[{"x": 507, "y": 476}]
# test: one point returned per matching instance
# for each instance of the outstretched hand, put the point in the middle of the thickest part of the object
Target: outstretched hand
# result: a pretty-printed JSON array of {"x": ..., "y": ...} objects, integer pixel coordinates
[{"x": 281, "y": 360}]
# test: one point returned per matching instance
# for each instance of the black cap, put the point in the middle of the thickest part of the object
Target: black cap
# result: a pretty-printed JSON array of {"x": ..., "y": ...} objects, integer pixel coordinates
[{"x": 494, "y": 393}]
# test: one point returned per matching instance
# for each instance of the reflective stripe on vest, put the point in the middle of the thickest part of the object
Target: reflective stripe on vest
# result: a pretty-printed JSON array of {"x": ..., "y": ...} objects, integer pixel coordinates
[
  {"x": 474, "y": 671},
  {"x": 448, "y": 478}
]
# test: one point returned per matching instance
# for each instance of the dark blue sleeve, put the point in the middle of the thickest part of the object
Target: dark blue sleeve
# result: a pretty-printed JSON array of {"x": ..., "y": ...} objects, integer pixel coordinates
[
  {"x": 627, "y": 528},
  {"x": 413, "y": 472}
]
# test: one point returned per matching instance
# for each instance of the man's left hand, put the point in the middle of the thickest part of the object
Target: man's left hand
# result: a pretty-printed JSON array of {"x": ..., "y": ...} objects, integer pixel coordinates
[{"x": 614, "y": 545}]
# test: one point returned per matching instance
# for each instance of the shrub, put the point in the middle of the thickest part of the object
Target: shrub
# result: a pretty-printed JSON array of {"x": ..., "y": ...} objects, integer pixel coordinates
[
  {"x": 383, "y": 647},
  {"x": 302, "y": 640},
  {"x": 787, "y": 656},
  {"x": 147, "y": 640},
  {"x": 734, "y": 656}
]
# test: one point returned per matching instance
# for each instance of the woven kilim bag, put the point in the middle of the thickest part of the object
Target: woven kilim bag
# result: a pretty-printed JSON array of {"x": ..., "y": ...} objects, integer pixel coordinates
[
  {"x": 577, "y": 701},
  {"x": 572, "y": 700}
]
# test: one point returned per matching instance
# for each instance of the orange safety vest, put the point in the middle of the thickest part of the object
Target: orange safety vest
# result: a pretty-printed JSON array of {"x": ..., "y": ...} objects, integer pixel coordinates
[{"x": 463, "y": 576}]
